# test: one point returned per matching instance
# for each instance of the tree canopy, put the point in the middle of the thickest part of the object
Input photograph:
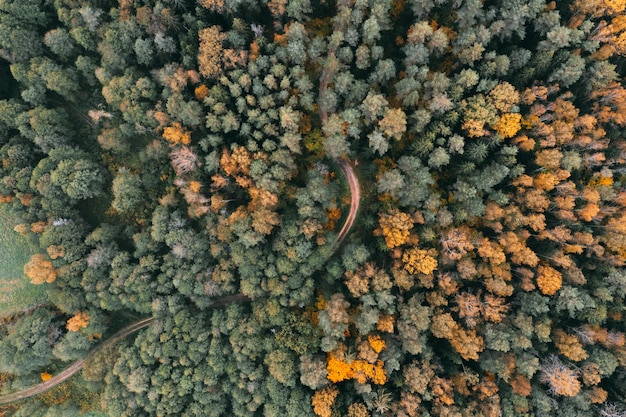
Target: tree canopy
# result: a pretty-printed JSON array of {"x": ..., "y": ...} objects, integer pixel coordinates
[{"x": 357, "y": 208}]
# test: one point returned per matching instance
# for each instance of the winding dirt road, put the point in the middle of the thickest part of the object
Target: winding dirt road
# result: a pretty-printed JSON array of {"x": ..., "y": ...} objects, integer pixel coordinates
[
  {"x": 355, "y": 201},
  {"x": 344, "y": 165},
  {"x": 355, "y": 198},
  {"x": 78, "y": 365},
  {"x": 75, "y": 367}
]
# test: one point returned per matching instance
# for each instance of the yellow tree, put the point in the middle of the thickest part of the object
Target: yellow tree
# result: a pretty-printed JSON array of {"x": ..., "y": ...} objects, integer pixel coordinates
[
  {"x": 39, "y": 269},
  {"x": 419, "y": 261},
  {"x": 395, "y": 226},
  {"x": 569, "y": 345},
  {"x": 561, "y": 379},
  {"x": 323, "y": 400},
  {"x": 78, "y": 321},
  {"x": 549, "y": 280},
  {"x": 211, "y": 52},
  {"x": 508, "y": 125},
  {"x": 175, "y": 134}
]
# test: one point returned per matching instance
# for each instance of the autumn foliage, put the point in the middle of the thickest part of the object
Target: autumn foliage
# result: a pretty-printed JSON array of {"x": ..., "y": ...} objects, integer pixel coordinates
[
  {"x": 549, "y": 280},
  {"x": 561, "y": 379},
  {"x": 360, "y": 370},
  {"x": 194, "y": 161},
  {"x": 395, "y": 226},
  {"x": 78, "y": 321},
  {"x": 323, "y": 400},
  {"x": 40, "y": 270}
]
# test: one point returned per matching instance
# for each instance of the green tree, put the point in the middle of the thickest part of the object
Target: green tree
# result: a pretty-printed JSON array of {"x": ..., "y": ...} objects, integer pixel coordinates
[
  {"x": 127, "y": 192},
  {"x": 26, "y": 347}
]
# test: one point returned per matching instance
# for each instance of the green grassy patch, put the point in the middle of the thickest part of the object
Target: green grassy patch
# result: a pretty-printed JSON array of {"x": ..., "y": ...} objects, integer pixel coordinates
[{"x": 16, "y": 291}]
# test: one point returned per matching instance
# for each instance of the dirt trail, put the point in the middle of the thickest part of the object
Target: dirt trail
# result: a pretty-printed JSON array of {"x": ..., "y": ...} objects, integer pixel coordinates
[
  {"x": 344, "y": 165},
  {"x": 78, "y": 365},
  {"x": 75, "y": 367},
  {"x": 355, "y": 198}
]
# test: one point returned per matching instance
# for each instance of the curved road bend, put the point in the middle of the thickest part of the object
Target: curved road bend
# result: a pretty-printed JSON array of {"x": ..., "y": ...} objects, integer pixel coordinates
[
  {"x": 75, "y": 367},
  {"x": 355, "y": 198}
]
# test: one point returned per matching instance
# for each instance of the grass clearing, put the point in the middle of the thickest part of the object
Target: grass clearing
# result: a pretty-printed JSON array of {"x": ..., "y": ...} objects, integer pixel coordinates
[{"x": 16, "y": 291}]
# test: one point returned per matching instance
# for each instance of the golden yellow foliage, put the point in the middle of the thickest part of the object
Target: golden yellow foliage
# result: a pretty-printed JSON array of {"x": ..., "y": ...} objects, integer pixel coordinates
[
  {"x": 597, "y": 395},
  {"x": 357, "y": 410},
  {"x": 175, "y": 134},
  {"x": 385, "y": 323},
  {"x": 591, "y": 374},
  {"x": 195, "y": 186},
  {"x": 494, "y": 308},
  {"x": 45, "y": 376},
  {"x": 40, "y": 270},
  {"x": 323, "y": 400},
  {"x": 442, "y": 391},
  {"x": 546, "y": 181},
  {"x": 508, "y": 125},
  {"x": 569, "y": 346},
  {"x": 491, "y": 251},
  {"x": 78, "y": 321},
  {"x": 418, "y": 261},
  {"x": 549, "y": 280},
  {"x": 213, "y": 5},
  {"x": 338, "y": 370},
  {"x": 376, "y": 342},
  {"x": 55, "y": 251},
  {"x": 38, "y": 227},
  {"x": 236, "y": 162},
  {"x": 395, "y": 226},
  {"x": 360, "y": 370},
  {"x": 588, "y": 212},
  {"x": 210, "y": 52},
  {"x": 467, "y": 343},
  {"x": 201, "y": 92}
]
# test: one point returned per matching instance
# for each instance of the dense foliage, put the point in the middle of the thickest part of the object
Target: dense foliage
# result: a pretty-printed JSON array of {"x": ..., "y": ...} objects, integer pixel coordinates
[{"x": 167, "y": 154}]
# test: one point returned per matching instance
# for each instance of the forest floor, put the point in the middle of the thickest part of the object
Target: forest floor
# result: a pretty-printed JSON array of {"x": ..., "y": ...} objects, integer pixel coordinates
[{"x": 16, "y": 291}]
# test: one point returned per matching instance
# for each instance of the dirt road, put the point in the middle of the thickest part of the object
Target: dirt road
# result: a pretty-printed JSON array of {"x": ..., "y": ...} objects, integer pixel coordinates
[
  {"x": 75, "y": 367},
  {"x": 355, "y": 198}
]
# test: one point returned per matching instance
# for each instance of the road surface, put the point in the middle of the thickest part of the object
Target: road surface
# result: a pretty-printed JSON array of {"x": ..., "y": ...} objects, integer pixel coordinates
[{"x": 355, "y": 198}]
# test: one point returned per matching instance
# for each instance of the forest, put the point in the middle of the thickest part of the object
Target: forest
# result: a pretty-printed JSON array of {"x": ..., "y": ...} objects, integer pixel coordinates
[{"x": 331, "y": 208}]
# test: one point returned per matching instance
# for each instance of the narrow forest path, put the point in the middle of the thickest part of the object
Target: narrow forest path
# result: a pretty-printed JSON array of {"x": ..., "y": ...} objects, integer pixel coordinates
[
  {"x": 78, "y": 365},
  {"x": 74, "y": 367},
  {"x": 355, "y": 199}
]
